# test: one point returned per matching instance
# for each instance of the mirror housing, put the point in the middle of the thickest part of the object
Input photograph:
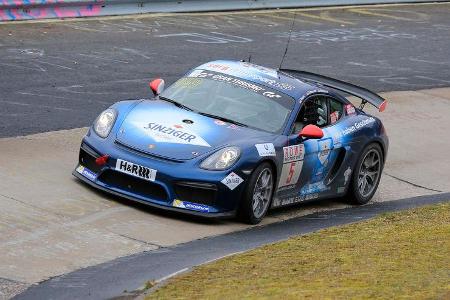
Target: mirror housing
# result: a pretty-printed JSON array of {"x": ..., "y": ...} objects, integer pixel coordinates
[
  {"x": 157, "y": 86},
  {"x": 311, "y": 132}
]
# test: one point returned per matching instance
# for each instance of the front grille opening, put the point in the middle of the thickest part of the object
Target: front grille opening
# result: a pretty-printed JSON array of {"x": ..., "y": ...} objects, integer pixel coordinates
[
  {"x": 86, "y": 159},
  {"x": 133, "y": 184},
  {"x": 202, "y": 193}
]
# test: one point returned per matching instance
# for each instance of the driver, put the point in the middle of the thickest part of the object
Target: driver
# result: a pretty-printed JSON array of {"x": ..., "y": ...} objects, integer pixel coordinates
[{"x": 309, "y": 114}]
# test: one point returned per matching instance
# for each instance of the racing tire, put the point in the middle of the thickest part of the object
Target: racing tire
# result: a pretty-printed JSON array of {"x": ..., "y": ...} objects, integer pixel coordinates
[
  {"x": 257, "y": 195},
  {"x": 366, "y": 175}
]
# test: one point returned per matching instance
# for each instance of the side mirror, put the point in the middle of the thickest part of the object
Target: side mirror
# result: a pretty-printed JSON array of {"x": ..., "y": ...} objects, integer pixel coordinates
[
  {"x": 311, "y": 132},
  {"x": 157, "y": 86}
]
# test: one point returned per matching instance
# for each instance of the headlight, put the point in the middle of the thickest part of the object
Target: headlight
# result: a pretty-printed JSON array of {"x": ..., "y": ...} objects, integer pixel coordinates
[
  {"x": 222, "y": 159},
  {"x": 105, "y": 122}
]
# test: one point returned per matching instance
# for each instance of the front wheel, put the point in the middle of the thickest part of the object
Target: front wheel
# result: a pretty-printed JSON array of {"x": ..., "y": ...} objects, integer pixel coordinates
[
  {"x": 258, "y": 195},
  {"x": 367, "y": 174}
]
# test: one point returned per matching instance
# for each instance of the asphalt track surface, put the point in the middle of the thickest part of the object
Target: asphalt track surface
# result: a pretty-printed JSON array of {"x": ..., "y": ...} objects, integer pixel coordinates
[
  {"x": 129, "y": 273},
  {"x": 60, "y": 75}
]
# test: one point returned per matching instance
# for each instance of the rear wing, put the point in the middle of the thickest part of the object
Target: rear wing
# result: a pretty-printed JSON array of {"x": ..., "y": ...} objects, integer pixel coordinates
[{"x": 365, "y": 95}]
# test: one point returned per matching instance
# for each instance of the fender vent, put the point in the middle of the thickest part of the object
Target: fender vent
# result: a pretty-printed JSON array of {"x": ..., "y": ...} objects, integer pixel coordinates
[{"x": 337, "y": 165}]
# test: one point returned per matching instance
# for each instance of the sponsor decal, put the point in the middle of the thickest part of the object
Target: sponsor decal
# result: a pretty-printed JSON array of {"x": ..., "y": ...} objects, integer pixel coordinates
[
  {"x": 261, "y": 69},
  {"x": 265, "y": 149},
  {"x": 334, "y": 116},
  {"x": 220, "y": 123},
  {"x": 86, "y": 172},
  {"x": 292, "y": 165},
  {"x": 190, "y": 205},
  {"x": 151, "y": 146},
  {"x": 324, "y": 151},
  {"x": 337, "y": 140},
  {"x": 291, "y": 200},
  {"x": 273, "y": 83},
  {"x": 293, "y": 153},
  {"x": 219, "y": 67},
  {"x": 357, "y": 125},
  {"x": 135, "y": 170},
  {"x": 270, "y": 82},
  {"x": 290, "y": 173},
  {"x": 237, "y": 82},
  {"x": 232, "y": 180},
  {"x": 232, "y": 126},
  {"x": 271, "y": 95},
  {"x": 347, "y": 174},
  {"x": 314, "y": 188},
  {"x": 195, "y": 73},
  {"x": 177, "y": 134},
  {"x": 350, "y": 109}
]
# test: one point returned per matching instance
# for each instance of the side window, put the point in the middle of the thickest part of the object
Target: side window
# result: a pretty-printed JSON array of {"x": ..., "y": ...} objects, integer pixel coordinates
[
  {"x": 336, "y": 110},
  {"x": 313, "y": 111}
]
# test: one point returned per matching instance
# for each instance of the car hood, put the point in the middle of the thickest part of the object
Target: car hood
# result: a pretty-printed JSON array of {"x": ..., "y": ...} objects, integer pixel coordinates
[{"x": 162, "y": 129}]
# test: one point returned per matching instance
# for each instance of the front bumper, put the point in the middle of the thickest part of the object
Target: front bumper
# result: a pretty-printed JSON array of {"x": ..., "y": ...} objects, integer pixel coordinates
[
  {"x": 227, "y": 214},
  {"x": 200, "y": 192}
]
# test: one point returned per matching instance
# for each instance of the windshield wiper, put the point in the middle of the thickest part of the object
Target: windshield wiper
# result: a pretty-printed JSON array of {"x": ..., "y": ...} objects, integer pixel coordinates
[
  {"x": 223, "y": 119},
  {"x": 175, "y": 103}
]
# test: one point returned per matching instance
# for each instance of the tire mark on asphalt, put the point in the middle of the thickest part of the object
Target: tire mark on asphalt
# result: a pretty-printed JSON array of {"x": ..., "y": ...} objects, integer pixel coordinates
[
  {"x": 138, "y": 240},
  {"x": 412, "y": 183},
  {"x": 67, "y": 226},
  {"x": 33, "y": 206}
]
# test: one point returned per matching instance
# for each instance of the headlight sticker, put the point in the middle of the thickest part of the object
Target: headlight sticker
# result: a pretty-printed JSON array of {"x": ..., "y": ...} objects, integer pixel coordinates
[
  {"x": 266, "y": 149},
  {"x": 232, "y": 180}
]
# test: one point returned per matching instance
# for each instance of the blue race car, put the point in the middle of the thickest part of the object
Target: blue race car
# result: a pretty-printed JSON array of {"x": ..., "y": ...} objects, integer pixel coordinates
[{"x": 231, "y": 138}]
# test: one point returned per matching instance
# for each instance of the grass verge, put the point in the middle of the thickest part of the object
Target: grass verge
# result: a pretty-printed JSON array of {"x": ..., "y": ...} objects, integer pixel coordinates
[{"x": 395, "y": 255}]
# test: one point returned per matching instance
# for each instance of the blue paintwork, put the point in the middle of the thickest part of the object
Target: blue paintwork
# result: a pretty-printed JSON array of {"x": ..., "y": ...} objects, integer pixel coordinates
[{"x": 176, "y": 161}]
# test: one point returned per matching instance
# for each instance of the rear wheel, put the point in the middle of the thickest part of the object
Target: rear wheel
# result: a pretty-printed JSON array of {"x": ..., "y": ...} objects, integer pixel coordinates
[
  {"x": 258, "y": 195},
  {"x": 367, "y": 174}
]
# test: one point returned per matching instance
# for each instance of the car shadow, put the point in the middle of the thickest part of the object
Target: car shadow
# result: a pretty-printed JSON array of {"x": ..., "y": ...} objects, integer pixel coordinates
[
  {"x": 281, "y": 213},
  {"x": 310, "y": 206},
  {"x": 151, "y": 209}
]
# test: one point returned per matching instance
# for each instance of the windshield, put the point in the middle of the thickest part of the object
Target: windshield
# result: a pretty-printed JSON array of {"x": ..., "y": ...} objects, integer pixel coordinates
[{"x": 234, "y": 99}]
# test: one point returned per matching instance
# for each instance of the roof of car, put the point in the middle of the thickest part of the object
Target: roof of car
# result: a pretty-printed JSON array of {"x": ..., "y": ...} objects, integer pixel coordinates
[{"x": 261, "y": 75}]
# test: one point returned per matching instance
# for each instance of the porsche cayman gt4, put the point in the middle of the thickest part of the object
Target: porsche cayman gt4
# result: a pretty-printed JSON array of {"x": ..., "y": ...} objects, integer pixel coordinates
[{"x": 232, "y": 138}]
